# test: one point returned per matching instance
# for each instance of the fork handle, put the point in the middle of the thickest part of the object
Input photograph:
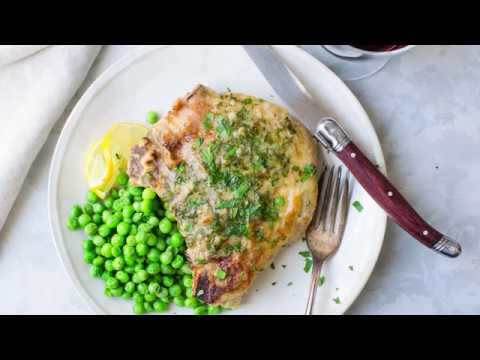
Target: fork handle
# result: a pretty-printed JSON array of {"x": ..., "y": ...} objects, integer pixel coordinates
[
  {"x": 316, "y": 269},
  {"x": 385, "y": 194}
]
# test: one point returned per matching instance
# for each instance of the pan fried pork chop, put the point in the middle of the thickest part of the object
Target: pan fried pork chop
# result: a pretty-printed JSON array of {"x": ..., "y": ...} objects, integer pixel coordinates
[{"x": 239, "y": 174}]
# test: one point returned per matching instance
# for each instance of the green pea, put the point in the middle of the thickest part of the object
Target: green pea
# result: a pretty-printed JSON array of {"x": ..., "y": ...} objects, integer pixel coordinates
[
  {"x": 122, "y": 276},
  {"x": 126, "y": 295},
  {"x": 152, "y": 117},
  {"x": 117, "y": 292},
  {"x": 131, "y": 240},
  {"x": 154, "y": 255},
  {"x": 140, "y": 260},
  {"x": 97, "y": 219},
  {"x": 166, "y": 257},
  {"x": 151, "y": 240},
  {"x": 72, "y": 223},
  {"x": 146, "y": 228},
  {"x": 98, "y": 261},
  {"x": 167, "y": 281},
  {"x": 160, "y": 306},
  {"x": 186, "y": 269},
  {"x": 153, "y": 268},
  {"x": 130, "y": 287},
  {"x": 133, "y": 229},
  {"x": 123, "y": 228},
  {"x": 178, "y": 262},
  {"x": 143, "y": 275},
  {"x": 135, "y": 191},
  {"x": 116, "y": 251},
  {"x": 137, "y": 298},
  {"x": 88, "y": 245},
  {"x": 109, "y": 265},
  {"x": 165, "y": 226},
  {"x": 118, "y": 240},
  {"x": 107, "y": 250},
  {"x": 92, "y": 197},
  {"x": 153, "y": 221},
  {"x": 106, "y": 275},
  {"x": 188, "y": 293},
  {"x": 107, "y": 292},
  {"x": 166, "y": 269},
  {"x": 129, "y": 269},
  {"x": 129, "y": 251},
  {"x": 142, "y": 288},
  {"x": 138, "y": 199},
  {"x": 139, "y": 267},
  {"x": 156, "y": 277},
  {"x": 76, "y": 211},
  {"x": 137, "y": 217},
  {"x": 279, "y": 201},
  {"x": 122, "y": 179},
  {"x": 138, "y": 309},
  {"x": 150, "y": 297},
  {"x": 176, "y": 240},
  {"x": 141, "y": 237},
  {"x": 98, "y": 250},
  {"x": 148, "y": 307},
  {"x": 148, "y": 194},
  {"x": 187, "y": 281},
  {"x": 108, "y": 203},
  {"x": 84, "y": 220},
  {"x": 153, "y": 287},
  {"x": 113, "y": 220},
  {"x": 128, "y": 212},
  {"x": 118, "y": 263},
  {"x": 161, "y": 245},
  {"x": 98, "y": 208},
  {"x": 103, "y": 230},
  {"x": 191, "y": 302},
  {"x": 112, "y": 283},
  {"x": 88, "y": 209},
  {"x": 137, "y": 206},
  {"x": 175, "y": 290},
  {"x": 147, "y": 206},
  {"x": 96, "y": 271},
  {"x": 142, "y": 249},
  {"x": 179, "y": 301},
  {"x": 200, "y": 310},
  {"x": 118, "y": 205},
  {"x": 169, "y": 215},
  {"x": 91, "y": 229},
  {"x": 213, "y": 309}
]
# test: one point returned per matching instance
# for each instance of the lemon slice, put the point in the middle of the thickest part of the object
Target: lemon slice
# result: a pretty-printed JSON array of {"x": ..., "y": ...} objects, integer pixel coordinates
[
  {"x": 119, "y": 140},
  {"x": 98, "y": 166},
  {"x": 109, "y": 156}
]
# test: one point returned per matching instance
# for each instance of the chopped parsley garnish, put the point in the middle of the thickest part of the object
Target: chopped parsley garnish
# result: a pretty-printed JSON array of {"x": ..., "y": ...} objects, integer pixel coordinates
[
  {"x": 181, "y": 167},
  {"x": 308, "y": 171},
  {"x": 305, "y": 254},
  {"x": 308, "y": 265},
  {"x": 321, "y": 280},
  {"x": 201, "y": 261},
  {"x": 223, "y": 126},
  {"x": 358, "y": 206},
  {"x": 192, "y": 202},
  {"x": 237, "y": 247},
  {"x": 220, "y": 274},
  {"x": 336, "y": 300},
  {"x": 247, "y": 101},
  {"x": 207, "y": 121}
]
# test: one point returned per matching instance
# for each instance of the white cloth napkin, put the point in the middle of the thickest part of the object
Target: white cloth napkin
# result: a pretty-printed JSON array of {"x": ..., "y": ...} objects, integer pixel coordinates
[{"x": 36, "y": 84}]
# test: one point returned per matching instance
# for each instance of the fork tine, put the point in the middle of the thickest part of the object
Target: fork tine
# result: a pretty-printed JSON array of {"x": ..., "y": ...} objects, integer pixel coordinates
[
  {"x": 333, "y": 202},
  {"x": 321, "y": 183},
  {"x": 343, "y": 212},
  {"x": 326, "y": 199}
]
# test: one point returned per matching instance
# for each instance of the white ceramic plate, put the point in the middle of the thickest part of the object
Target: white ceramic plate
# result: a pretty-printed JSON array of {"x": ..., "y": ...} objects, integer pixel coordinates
[{"x": 152, "y": 78}]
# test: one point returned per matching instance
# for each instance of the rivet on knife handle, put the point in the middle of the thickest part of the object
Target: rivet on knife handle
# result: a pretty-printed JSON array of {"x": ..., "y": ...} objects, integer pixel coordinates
[{"x": 331, "y": 135}]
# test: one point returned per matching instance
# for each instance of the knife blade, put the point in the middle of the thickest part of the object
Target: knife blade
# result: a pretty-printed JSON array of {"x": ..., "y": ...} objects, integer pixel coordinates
[{"x": 329, "y": 133}]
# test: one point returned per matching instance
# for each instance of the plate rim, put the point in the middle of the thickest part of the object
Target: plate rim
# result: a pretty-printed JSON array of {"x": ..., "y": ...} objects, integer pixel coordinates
[{"x": 88, "y": 95}]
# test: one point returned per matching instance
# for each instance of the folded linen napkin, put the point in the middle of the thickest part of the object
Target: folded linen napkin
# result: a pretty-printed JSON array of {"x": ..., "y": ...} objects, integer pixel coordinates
[{"x": 36, "y": 84}]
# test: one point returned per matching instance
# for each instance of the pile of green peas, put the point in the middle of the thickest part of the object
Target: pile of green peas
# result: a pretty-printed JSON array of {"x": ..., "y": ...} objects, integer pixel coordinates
[{"x": 134, "y": 246}]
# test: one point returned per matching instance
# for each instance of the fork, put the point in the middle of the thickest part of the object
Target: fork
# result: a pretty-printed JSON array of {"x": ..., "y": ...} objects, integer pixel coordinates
[{"x": 325, "y": 232}]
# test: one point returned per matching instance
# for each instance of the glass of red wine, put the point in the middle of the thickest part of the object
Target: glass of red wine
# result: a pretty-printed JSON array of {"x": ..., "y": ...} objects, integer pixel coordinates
[{"x": 356, "y": 62}]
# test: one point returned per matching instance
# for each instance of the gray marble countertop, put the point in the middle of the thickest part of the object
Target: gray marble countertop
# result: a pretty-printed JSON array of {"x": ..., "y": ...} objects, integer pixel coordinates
[{"x": 426, "y": 110}]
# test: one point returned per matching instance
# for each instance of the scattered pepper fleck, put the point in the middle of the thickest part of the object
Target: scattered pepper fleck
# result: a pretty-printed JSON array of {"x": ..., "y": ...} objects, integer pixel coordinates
[
  {"x": 272, "y": 266},
  {"x": 350, "y": 267},
  {"x": 274, "y": 283},
  {"x": 321, "y": 280},
  {"x": 290, "y": 283}
]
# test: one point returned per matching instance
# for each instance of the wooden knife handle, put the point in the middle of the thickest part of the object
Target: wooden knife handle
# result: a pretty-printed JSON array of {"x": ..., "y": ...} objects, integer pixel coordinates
[{"x": 388, "y": 197}]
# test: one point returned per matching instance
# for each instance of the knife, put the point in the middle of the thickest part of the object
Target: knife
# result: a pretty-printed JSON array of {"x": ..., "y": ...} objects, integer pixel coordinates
[{"x": 330, "y": 134}]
